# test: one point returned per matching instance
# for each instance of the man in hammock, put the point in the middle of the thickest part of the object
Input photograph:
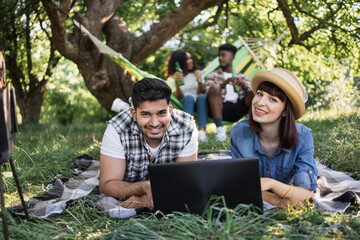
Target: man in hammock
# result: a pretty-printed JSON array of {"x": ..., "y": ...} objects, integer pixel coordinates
[
  {"x": 229, "y": 93},
  {"x": 151, "y": 131}
]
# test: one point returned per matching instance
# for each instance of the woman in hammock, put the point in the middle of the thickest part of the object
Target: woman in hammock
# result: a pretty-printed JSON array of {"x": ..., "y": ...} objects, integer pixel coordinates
[
  {"x": 285, "y": 148},
  {"x": 187, "y": 85}
]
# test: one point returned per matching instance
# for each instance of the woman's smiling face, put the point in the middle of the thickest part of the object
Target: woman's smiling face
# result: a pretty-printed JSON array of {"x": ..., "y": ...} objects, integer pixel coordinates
[{"x": 267, "y": 108}]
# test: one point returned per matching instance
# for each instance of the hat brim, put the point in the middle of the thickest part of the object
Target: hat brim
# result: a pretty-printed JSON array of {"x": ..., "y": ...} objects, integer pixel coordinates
[{"x": 294, "y": 97}]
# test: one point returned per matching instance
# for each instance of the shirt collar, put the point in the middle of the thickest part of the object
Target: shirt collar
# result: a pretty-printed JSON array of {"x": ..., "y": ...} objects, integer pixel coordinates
[{"x": 258, "y": 148}]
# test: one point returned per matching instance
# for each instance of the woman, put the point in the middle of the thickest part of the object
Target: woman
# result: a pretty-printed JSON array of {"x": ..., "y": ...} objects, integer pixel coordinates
[
  {"x": 188, "y": 87},
  {"x": 285, "y": 148}
]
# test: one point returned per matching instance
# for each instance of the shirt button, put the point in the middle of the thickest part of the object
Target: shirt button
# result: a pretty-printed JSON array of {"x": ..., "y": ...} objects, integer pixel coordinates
[
  {"x": 310, "y": 172},
  {"x": 268, "y": 172}
]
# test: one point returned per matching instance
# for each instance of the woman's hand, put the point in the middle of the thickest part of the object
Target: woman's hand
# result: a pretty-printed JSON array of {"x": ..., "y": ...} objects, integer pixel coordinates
[{"x": 178, "y": 76}]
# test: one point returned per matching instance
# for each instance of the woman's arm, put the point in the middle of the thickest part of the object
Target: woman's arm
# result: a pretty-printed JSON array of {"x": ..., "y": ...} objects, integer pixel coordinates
[
  {"x": 275, "y": 200},
  {"x": 201, "y": 86},
  {"x": 284, "y": 191}
]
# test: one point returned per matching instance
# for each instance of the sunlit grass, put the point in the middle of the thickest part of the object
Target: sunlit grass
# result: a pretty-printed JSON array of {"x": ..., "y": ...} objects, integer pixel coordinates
[{"x": 336, "y": 137}]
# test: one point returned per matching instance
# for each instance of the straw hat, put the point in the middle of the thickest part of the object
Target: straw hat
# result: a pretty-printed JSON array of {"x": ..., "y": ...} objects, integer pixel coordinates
[{"x": 288, "y": 82}]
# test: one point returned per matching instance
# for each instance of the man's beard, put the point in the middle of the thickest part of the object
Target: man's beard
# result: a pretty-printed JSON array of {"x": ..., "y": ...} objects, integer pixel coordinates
[
  {"x": 153, "y": 137},
  {"x": 224, "y": 66}
]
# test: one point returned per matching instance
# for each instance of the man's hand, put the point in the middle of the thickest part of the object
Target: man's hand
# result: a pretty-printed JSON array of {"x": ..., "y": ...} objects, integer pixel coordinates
[
  {"x": 138, "y": 201},
  {"x": 226, "y": 82},
  {"x": 144, "y": 200},
  {"x": 240, "y": 82}
]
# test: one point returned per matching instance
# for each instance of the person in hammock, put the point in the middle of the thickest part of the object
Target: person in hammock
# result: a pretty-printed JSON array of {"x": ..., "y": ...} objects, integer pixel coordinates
[
  {"x": 285, "y": 148},
  {"x": 185, "y": 80},
  {"x": 228, "y": 92}
]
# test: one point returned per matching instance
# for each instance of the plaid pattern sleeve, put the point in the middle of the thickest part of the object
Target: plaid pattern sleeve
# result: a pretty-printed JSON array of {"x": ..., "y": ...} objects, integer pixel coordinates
[
  {"x": 246, "y": 87},
  {"x": 217, "y": 77},
  {"x": 214, "y": 78}
]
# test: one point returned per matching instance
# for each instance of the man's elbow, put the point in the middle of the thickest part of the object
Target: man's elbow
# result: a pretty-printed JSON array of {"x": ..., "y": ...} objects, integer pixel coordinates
[{"x": 105, "y": 188}]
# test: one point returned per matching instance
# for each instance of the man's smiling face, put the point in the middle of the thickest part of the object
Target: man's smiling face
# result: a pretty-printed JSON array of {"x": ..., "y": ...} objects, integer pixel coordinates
[{"x": 153, "y": 119}]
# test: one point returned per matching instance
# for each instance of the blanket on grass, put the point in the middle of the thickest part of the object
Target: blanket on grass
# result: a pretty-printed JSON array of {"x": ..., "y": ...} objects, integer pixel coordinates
[{"x": 335, "y": 191}]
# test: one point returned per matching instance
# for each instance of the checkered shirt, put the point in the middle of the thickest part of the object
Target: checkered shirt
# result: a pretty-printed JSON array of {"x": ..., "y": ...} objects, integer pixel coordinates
[
  {"x": 217, "y": 77},
  {"x": 137, "y": 153}
]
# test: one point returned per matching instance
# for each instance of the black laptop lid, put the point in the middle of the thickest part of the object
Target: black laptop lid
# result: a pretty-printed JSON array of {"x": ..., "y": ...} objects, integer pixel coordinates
[{"x": 188, "y": 186}]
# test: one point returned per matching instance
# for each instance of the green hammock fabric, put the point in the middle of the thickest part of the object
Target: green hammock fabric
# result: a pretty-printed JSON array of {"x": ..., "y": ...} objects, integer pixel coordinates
[{"x": 242, "y": 62}]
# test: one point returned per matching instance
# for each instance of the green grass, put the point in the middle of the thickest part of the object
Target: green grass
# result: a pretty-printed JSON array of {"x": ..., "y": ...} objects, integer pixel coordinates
[
  {"x": 336, "y": 138},
  {"x": 44, "y": 150}
]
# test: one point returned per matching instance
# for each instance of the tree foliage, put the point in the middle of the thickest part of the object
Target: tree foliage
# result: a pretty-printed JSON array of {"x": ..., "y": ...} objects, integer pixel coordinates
[
  {"x": 105, "y": 79},
  {"x": 29, "y": 53},
  {"x": 321, "y": 42},
  {"x": 320, "y": 45},
  {"x": 327, "y": 29}
]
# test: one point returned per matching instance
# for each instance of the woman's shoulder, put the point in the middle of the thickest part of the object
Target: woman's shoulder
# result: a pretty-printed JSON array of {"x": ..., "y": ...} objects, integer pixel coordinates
[
  {"x": 302, "y": 129},
  {"x": 242, "y": 126},
  {"x": 305, "y": 137}
]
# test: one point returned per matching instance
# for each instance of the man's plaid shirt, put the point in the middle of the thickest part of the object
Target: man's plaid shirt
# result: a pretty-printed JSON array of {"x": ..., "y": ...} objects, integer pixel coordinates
[
  {"x": 217, "y": 77},
  {"x": 137, "y": 153}
]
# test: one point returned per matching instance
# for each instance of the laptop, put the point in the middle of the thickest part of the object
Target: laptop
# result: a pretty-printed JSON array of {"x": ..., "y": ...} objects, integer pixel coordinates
[{"x": 188, "y": 186}]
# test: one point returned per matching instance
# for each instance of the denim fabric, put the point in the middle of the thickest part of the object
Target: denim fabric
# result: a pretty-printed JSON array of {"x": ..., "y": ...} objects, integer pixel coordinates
[
  {"x": 291, "y": 166},
  {"x": 199, "y": 105}
]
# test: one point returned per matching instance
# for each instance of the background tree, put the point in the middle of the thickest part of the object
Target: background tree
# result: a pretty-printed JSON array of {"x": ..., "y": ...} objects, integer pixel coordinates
[
  {"x": 29, "y": 53},
  {"x": 321, "y": 44},
  {"x": 137, "y": 29},
  {"x": 105, "y": 79}
]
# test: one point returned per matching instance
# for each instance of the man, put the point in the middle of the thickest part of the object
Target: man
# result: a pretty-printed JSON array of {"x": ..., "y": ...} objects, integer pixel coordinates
[
  {"x": 229, "y": 93},
  {"x": 151, "y": 131}
]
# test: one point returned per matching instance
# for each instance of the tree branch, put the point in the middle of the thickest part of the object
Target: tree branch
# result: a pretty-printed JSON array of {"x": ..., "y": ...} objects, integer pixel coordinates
[
  {"x": 211, "y": 21},
  {"x": 321, "y": 22},
  {"x": 168, "y": 27},
  {"x": 283, "y": 5},
  {"x": 58, "y": 15},
  {"x": 53, "y": 60},
  {"x": 32, "y": 78},
  {"x": 270, "y": 20}
]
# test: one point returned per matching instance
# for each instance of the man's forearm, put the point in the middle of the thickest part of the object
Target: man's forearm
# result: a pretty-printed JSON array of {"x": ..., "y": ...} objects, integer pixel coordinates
[{"x": 122, "y": 190}]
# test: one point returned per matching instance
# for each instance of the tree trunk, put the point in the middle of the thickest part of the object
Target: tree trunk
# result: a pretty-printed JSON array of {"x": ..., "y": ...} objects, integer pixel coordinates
[
  {"x": 30, "y": 107},
  {"x": 29, "y": 82},
  {"x": 105, "y": 79}
]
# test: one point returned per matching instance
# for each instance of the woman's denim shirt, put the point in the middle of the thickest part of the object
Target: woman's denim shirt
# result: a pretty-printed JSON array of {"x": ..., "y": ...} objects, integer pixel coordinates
[{"x": 291, "y": 166}]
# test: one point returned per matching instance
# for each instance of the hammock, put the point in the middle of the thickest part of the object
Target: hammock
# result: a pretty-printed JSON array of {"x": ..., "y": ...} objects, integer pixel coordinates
[{"x": 246, "y": 60}]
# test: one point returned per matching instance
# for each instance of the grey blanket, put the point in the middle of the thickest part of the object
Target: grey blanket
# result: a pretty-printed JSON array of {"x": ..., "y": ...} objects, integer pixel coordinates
[{"x": 335, "y": 191}]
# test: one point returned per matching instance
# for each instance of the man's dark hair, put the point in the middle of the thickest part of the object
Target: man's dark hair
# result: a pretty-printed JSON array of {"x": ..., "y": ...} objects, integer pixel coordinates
[
  {"x": 150, "y": 89},
  {"x": 228, "y": 47}
]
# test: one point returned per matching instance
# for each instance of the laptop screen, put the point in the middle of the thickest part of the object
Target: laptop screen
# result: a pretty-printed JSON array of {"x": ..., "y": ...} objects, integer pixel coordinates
[{"x": 188, "y": 186}]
